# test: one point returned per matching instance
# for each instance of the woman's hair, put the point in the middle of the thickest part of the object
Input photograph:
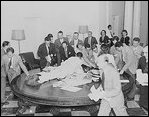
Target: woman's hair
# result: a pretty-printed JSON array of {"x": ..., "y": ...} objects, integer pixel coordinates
[
  {"x": 101, "y": 32},
  {"x": 104, "y": 49},
  {"x": 5, "y": 43},
  {"x": 48, "y": 38},
  {"x": 10, "y": 49}
]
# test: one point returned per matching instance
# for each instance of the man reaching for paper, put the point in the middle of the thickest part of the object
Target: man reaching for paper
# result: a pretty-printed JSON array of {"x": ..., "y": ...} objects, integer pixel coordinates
[{"x": 110, "y": 92}]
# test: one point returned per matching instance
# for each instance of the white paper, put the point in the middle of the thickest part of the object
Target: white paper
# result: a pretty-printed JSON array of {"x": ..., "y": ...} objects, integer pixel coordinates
[
  {"x": 142, "y": 78},
  {"x": 124, "y": 81}
]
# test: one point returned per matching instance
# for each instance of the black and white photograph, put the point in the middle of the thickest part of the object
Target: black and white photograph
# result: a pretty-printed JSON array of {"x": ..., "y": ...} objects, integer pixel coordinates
[{"x": 74, "y": 58}]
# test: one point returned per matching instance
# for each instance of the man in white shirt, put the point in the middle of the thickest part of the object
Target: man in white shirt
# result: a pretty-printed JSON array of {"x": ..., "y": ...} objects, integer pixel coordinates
[
  {"x": 137, "y": 48},
  {"x": 110, "y": 33}
]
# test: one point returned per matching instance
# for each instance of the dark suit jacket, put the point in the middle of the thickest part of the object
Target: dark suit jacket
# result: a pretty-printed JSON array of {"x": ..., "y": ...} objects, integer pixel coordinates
[
  {"x": 93, "y": 41},
  {"x": 125, "y": 40},
  {"x": 143, "y": 65},
  {"x": 72, "y": 42},
  {"x": 105, "y": 40},
  {"x": 42, "y": 53},
  {"x": 70, "y": 52},
  {"x": 57, "y": 45}
]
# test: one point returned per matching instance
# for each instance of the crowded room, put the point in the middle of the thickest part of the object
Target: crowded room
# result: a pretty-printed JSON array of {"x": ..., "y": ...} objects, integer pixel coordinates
[{"x": 74, "y": 58}]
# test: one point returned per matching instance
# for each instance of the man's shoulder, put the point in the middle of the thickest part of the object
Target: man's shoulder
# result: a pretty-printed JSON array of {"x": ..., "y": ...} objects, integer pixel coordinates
[{"x": 42, "y": 45}]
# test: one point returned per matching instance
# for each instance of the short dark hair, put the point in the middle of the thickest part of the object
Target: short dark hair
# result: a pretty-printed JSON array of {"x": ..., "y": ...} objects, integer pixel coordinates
[
  {"x": 10, "y": 49},
  {"x": 50, "y": 35},
  {"x": 5, "y": 43},
  {"x": 60, "y": 32},
  {"x": 118, "y": 44},
  {"x": 125, "y": 31},
  {"x": 76, "y": 33},
  {"x": 109, "y": 26},
  {"x": 104, "y": 48},
  {"x": 47, "y": 39},
  {"x": 115, "y": 38},
  {"x": 79, "y": 54},
  {"x": 65, "y": 42},
  {"x": 87, "y": 46},
  {"x": 136, "y": 39}
]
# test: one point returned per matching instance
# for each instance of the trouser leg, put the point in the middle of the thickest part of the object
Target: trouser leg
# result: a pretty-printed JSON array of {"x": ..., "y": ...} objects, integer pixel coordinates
[
  {"x": 104, "y": 109},
  {"x": 120, "y": 111},
  {"x": 3, "y": 88},
  {"x": 133, "y": 90}
]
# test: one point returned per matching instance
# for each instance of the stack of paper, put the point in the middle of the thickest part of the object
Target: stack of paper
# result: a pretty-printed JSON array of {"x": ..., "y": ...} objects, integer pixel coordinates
[{"x": 142, "y": 78}]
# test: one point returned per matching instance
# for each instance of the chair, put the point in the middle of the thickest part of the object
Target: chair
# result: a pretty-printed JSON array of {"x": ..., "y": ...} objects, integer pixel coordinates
[{"x": 30, "y": 61}]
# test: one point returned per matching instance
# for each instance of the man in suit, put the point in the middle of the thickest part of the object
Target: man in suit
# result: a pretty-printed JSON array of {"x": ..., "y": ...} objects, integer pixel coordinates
[
  {"x": 90, "y": 39},
  {"x": 130, "y": 64},
  {"x": 58, "y": 42},
  {"x": 47, "y": 52},
  {"x": 12, "y": 64},
  {"x": 66, "y": 51},
  {"x": 137, "y": 48},
  {"x": 5, "y": 45},
  {"x": 110, "y": 90},
  {"x": 75, "y": 41},
  {"x": 143, "y": 65}
]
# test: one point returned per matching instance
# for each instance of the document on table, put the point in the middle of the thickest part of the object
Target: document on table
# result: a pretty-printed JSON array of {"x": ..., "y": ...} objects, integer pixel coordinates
[
  {"x": 124, "y": 81},
  {"x": 71, "y": 89},
  {"x": 142, "y": 78}
]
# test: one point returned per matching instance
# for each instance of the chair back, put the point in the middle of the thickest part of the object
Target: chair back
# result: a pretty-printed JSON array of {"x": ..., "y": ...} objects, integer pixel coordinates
[{"x": 28, "y": 57}]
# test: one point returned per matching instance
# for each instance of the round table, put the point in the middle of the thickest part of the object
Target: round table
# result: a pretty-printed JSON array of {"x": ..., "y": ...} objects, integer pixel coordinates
[{"x": 46, "y": 94}]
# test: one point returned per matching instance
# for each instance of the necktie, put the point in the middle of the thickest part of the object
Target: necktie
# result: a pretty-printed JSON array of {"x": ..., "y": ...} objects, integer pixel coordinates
[
  {"x": 103, "y": 80},
  {"x": 66, "y": 54},
  {"x": 49, "y": 50},
  {"x": 111, "y": 34},
  {"x": 10, "y": 63}
]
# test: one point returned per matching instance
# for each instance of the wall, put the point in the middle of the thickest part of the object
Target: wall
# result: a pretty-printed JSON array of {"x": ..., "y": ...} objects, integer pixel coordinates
[
  {"x": 118, "y": 10},
  {"x": 43, "y": 17},
  {"x": 144, "y": 22}
]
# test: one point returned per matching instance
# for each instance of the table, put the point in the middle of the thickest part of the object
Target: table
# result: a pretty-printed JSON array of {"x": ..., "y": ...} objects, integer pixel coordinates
[{"x": 46, "y": 94}]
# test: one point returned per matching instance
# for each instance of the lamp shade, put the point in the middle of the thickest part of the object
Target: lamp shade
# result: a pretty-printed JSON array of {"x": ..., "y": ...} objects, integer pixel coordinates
[
  {"x": 18, "y": 35},
  {"x": 83, "y": 29}
]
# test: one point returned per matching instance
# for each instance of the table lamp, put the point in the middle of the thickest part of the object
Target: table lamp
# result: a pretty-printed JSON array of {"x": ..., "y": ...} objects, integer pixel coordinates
[
  {"x": 83, "y": 29},
  {"x": 18, "y": 35}
]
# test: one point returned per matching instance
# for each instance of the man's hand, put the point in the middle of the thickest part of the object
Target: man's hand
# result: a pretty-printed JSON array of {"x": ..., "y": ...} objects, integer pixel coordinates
[{"x": 121, "y": 72}]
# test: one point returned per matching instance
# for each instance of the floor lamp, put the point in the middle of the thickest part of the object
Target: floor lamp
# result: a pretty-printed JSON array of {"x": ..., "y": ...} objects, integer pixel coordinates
[
  {"x": 18, "y": 35},
  {"x": 83, "y": 29}
]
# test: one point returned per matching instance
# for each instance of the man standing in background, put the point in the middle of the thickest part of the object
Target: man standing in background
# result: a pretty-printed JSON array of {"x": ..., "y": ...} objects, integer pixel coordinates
[
  {"x": 58, "y": 42},
  {"x": 5, "y": 45}
]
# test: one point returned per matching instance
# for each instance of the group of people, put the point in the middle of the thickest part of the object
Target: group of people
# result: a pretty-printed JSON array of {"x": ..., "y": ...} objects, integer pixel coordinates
[{"x": 125, "y": 58}]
